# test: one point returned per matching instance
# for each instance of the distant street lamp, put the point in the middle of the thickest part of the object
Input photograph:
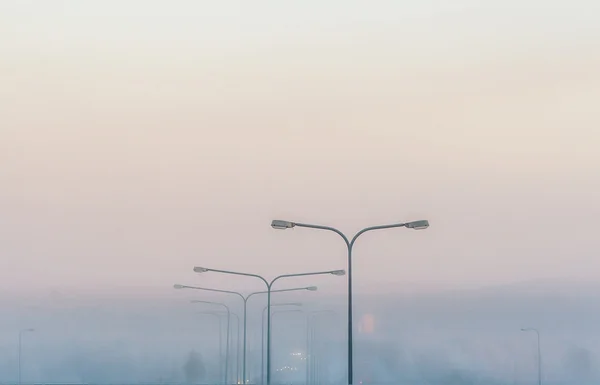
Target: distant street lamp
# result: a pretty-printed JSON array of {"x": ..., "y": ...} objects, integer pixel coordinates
[
  {"x": 294, "y": 311},
  {"x": 245, "y": 299},
  {"x": 416, "y": 225},
  {"x": 262, "y": 337},
  {"x": 20, "y": 344},
  {"x": 269, "y": 285},
  {"x": 227, "y": 334},
  {"x": 238, "y": 346},
  {"x": 238, "y": 339},
  {"x": 218, "y": 317},
  {"x": 310, "y": 334},
  {"x": 539, "y": 351}
]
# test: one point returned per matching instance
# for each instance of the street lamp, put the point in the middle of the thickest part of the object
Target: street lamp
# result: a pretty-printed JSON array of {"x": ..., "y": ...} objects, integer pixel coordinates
[
  {"x": 269, "y": 285},
  {"x": 20, "y": 338},
  {"x": 310, "y": 337},
  {"x": 227, "y": 334},
  {"x": 415, "y": 225},
  {"x": 539, "y": 357},
  {"x": 262, "y": 337},
  {"x": 238, "y": 346},
  {"x": 238, "y": 339},
  {"x": 294, "y": 311},
  {"x": 218, "y": 318},
  {"x": 245, "y": 314}
]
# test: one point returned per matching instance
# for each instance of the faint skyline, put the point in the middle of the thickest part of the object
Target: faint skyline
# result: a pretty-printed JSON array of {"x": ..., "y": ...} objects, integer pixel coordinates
[{"x": 139, "y": 139}]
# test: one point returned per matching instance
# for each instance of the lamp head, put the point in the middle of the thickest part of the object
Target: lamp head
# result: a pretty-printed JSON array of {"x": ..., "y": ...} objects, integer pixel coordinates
[
  {"x": 282, "y": 225},
  {"x": 178, "y": 286},
  {"x": 312, "y": 288},
  {"x": 200, "y": 269},
  {"x": 417, "y": 225},
  {"x": 339, "y": 272}
]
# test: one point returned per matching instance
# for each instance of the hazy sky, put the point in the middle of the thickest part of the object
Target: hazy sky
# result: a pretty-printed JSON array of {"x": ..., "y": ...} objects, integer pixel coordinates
[{"x": 141, "y": 138}]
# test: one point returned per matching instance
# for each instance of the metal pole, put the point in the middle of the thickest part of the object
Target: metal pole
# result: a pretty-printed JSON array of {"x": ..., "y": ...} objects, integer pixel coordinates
[
  {"x": 417, "y": 225},
  {"x": 227, "y": 347},
  {"x": 244, "y": 349},
  {"x": 217, "y": 316},
  {"x": 350, "y": 343},
  {"x": 228, "y": 312},
  {"x": 539, "y": 351},
  {"x": 262, "y": 347},
  {"x": 306, "y": 327},
  {"x": 308, "y": 349},
  {"x": 20, "y": 349},
  {"x": 269, "y": 286},
  {"x": 220, "y": 346},
  {"x": 262, "y": 337},
  {"x": 245, "y": 299},
  {"x": 237, "y": 349},
  {"x": 285, "y": 311},
  {"x": 314, "y": 356},
  {"x": 269, "y": 333},
  {"x": 539, "y": 358}
]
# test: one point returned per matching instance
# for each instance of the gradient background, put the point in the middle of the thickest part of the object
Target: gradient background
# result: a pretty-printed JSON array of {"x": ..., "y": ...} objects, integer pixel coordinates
[{"x": 141, "y": 138}]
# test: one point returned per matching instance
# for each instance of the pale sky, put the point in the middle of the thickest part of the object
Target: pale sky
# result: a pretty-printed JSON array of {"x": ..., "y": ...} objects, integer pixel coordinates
[{"x": 141, "y": 138}]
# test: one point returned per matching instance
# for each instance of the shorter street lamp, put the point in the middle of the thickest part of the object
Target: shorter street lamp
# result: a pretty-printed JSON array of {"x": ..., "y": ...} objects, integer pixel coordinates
[
  {"x": 539, "y": 351},
  {"x": 269, "y": 285},
  {"x": 245, "y": 299},
  {"x": 20, "y": 340},
  {"x": 218, "y": 318},
  {"x": 227, "y": 334},
  {"x": 262, "y": 337}
]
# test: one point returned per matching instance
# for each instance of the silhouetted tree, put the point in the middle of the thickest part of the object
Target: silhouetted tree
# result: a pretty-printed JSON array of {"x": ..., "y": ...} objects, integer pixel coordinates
[{"x": 194, "y": 369}]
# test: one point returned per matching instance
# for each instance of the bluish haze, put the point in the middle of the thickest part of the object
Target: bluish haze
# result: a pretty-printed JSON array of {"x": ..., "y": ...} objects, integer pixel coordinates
[{"x": 139, "y": 139}]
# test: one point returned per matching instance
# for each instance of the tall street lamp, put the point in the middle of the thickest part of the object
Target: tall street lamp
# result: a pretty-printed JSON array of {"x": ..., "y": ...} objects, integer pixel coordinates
[
  {"x": 20, "y": 339},
  {"x": 539, "y": 351},
  {"x": 227, "y": 334},
  {"x": 269, "y": 285},
  {"x": 245, "y": 299},
  {"x": 416, "y": 225},
  {"x": 262, "y": 337}
]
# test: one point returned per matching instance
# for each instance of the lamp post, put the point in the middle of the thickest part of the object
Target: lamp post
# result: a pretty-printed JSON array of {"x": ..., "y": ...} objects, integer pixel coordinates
[
  {"x": 416, "y": 225},
  {"x": 310, "y": 333},
  {"x": 293, "y": 311},
  {"x": 269, "y": 285},
  {"x": 262, "y": 337},
  {"x": 20, "y": 339},
  {"x": 539, "y": 351},
  {"x": 238, "y": 339},
  {"x": 227, "y": 334},
  {"x": 245, "y": 299},
  {"x": 237, "y": 349}
]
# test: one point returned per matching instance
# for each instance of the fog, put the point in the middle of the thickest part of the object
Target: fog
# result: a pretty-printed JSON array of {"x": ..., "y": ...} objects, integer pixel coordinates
[
  {"x": 458, "y": 337},
  {"x": 141, "y": 138}
]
